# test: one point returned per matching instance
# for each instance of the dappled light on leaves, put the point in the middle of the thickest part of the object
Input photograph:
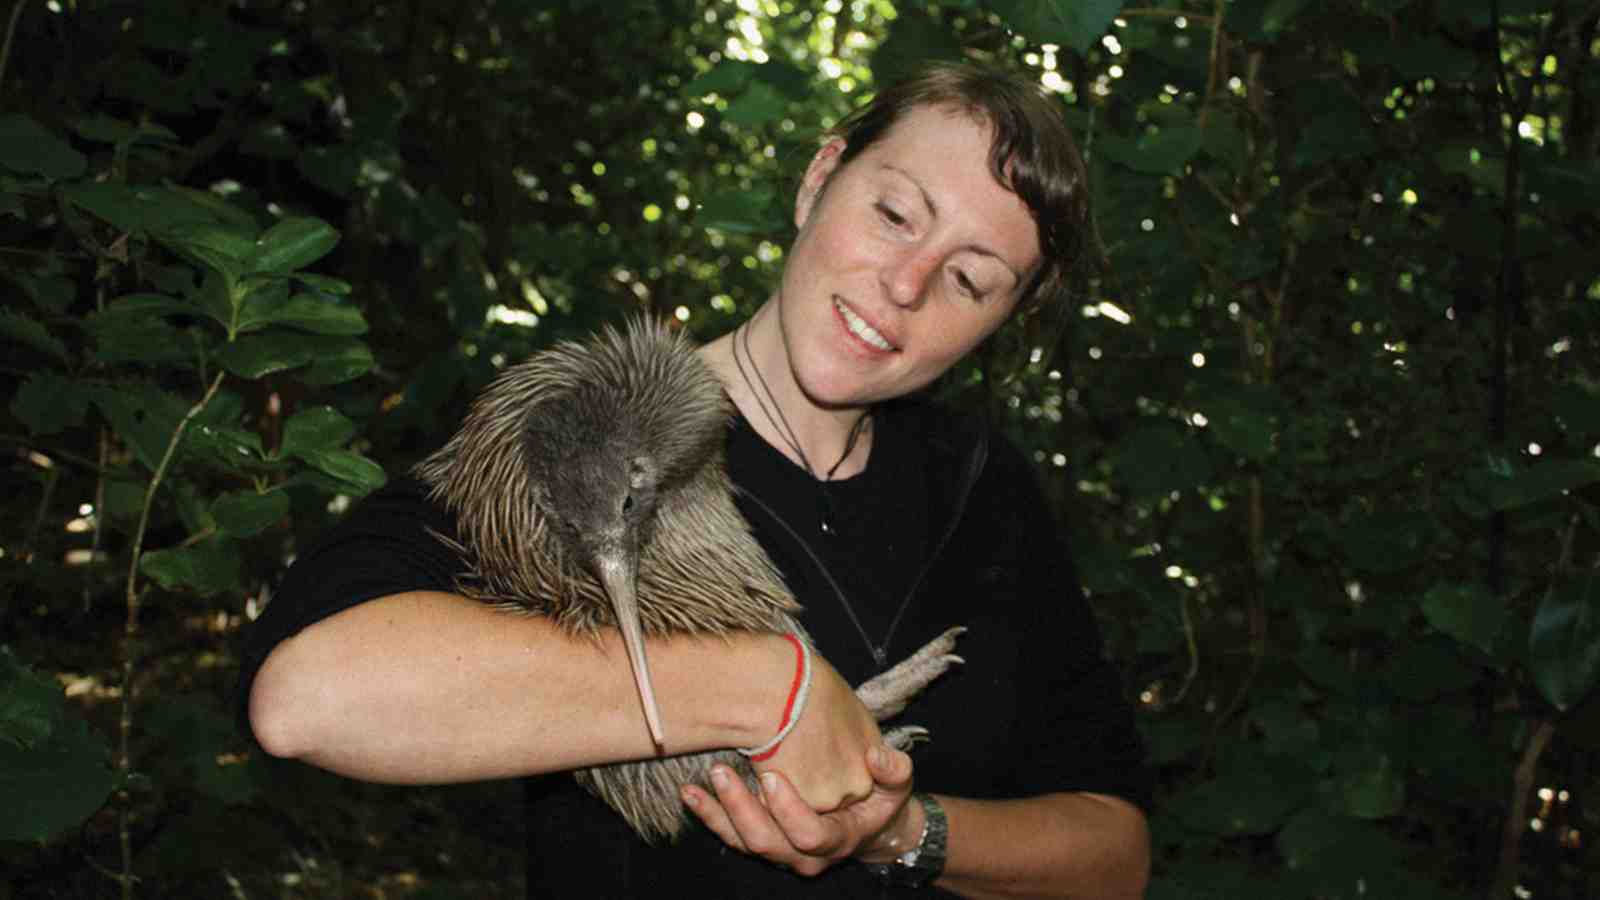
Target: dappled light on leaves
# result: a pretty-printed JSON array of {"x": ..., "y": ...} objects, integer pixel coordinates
[{"x": 1323, "y": 428}]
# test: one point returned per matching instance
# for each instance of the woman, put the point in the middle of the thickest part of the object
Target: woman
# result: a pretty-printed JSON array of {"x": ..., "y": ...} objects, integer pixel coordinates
[{"x": 934, "y": 214}]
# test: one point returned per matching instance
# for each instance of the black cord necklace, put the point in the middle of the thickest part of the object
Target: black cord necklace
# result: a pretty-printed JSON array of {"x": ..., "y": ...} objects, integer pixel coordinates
[{"x": 774, "y": 414}]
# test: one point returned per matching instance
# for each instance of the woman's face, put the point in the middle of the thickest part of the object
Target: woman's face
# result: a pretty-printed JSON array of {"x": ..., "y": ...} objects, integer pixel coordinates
[{"x": 906, "y": 259}]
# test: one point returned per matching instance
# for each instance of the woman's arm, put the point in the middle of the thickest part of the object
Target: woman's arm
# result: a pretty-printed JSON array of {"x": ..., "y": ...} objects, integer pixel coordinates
[
  {"x": 1075, "y": 845},
  {"x": 1055, "y": 845},
  {"x": 429, "y": 687}
]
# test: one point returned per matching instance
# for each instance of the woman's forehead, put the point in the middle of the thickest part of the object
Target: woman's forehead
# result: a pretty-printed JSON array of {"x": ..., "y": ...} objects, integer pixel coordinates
[{"x": 944, "y": 152}]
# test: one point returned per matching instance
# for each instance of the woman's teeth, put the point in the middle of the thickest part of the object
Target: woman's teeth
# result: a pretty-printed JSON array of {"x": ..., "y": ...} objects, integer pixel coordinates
[{"x": 859, "y": 327}]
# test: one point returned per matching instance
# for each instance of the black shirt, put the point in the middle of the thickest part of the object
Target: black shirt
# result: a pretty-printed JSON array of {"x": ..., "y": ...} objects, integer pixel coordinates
[{"x": 943, "y": 528}]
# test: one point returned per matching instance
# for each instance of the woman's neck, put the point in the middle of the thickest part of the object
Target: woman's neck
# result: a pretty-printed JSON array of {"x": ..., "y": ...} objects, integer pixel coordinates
[{"x": 753, "y": 363}]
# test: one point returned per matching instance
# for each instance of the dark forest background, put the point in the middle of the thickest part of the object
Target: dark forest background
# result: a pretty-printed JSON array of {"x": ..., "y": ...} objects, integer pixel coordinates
[{"x": 1321, "y": 414}]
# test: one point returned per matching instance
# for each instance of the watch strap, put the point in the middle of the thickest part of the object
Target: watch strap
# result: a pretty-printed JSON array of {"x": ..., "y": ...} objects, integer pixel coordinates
[{"x": 924, "y": 862}]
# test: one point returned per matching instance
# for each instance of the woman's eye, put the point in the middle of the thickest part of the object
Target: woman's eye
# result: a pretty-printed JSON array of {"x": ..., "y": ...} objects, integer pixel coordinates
[
  {"x": 966, "y": 286},
  {"x": 888, "y": 214}
]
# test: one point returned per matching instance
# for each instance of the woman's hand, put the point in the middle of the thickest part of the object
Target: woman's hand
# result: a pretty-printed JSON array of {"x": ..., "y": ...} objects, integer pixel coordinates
[
  {"x": 825, "y": 755},
  {"x": 779, "y": 827}
]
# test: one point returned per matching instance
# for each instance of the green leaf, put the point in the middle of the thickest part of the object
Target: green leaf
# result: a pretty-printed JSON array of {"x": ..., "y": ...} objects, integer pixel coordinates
[
  {"x": 737, "y": 212},
  {"x": 146, "y": 305},
  {"x": 1240, "y": 802},
  {"x": 228, "y": 250},
  {"x": 143, "y": 415},
  {"x": 1339, "y": 133},
  {"x": 323, "y": 283},
  {"x": 261, "y": 354},
  {"x": 1279, "y": 15},
  {"x": 361, "y": 475},
  {"x": 1466, "y": 612},
  {"x": 1070, "y": 23},
  {"x": 1541, "y": 481},
  {"x": 1159, "y": 458},
  {"x": 914, "y": 40},
  {"x": 336, "y": 359},
  {"x": 1386, "y": 542},
  {"x": 226, "y": 448},
  {"x": 1156, "y": 153},
  {"x": 196, "y": 740},
  {"x": 244, "y": 514},
  {"x": 1480, "y": 163},
  {"x": 1326, "y": 670},
  {"x": 156, "y": 210},
  {"x": 104, "y": 129},
  {"x": 1564, "y": 645},
  {"x": 334, "y": 169},
  {"x": 218, "y": 299},
  {"x": 30, "y": 148},
  {"x": 758, "y": 105},
  {"x": 49, "y": 293},
  {"x": 316, "y": 429},
  {"x": 1224, "y": 140},
  {"x": 131, "y": 329},
  {"x": 727, "y": 77},
  {"x": 1374, "y": 790},
  {"x": 1286, "y": 728},
  {"x": 294, "y": 243},
  {"x": 208, "y": 568},
  {"x": 1578, "y": 408},
  {"x": 49, "y": 404},
  {"x": 1246, "y": 431},
  {"x": 54, "y": 772},
  {"x": 54, "y": 787},
  {"x": 29, "y": 703},
  {"x": 124, "y": 499},
  {"x": 1320, "y": 843},
  {"x": 30, "y": 331},
  {"x": 1420, "y": 671},
  {"x": 321, "y": 315}
]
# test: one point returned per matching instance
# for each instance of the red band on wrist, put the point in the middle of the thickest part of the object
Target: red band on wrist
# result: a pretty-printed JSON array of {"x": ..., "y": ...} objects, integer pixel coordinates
[{"x": 794, "y": 695}]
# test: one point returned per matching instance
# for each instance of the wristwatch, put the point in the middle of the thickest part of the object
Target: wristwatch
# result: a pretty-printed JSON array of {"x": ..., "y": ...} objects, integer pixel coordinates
[{"x": 922, "y": 863}]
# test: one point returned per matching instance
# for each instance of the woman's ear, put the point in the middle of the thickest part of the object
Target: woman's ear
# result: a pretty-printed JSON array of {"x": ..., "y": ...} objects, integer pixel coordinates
[{"x": 816, "y": 178}]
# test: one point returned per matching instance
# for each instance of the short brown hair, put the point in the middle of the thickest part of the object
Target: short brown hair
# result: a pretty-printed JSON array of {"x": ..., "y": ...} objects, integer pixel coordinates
[{"x": 1032, "y": 154}]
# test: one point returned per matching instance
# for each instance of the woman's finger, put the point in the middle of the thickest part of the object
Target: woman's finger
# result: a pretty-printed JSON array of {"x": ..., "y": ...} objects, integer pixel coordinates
[
  {"x": 805, "y": 830},
  {"x": 757, "y": 831},
  {"x": 710, "y": 812}
]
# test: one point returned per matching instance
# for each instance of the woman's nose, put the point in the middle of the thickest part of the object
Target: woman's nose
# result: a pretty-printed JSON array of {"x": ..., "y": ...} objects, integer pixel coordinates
[{"x": 906, "y": 275}]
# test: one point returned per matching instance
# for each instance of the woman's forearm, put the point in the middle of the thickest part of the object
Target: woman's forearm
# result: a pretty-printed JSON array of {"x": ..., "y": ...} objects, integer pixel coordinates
[
  {"x": 1055, "y": 845},
  {"x": 427, "y": 687}
]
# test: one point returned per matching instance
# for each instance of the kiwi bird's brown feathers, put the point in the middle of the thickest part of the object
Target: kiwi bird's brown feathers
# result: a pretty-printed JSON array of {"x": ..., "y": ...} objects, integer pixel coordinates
[
  {"x": 643, "y": 390},
  {"x": 612, "y": 450}
]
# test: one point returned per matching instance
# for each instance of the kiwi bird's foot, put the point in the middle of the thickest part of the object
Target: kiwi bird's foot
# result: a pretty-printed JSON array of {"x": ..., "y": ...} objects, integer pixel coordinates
[
  {"x": 887, "y": 695},
  {"x": 905, "y": 736}
]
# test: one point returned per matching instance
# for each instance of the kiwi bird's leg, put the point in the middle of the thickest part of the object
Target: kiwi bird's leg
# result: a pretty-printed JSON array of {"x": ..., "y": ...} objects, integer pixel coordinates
[
  {"x": 886, "y": 695},
  {"x": 618, "y": 574}
]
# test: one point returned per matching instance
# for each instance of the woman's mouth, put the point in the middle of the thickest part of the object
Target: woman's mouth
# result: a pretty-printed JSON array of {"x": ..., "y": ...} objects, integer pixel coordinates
[{"x": 859, "y": 327}]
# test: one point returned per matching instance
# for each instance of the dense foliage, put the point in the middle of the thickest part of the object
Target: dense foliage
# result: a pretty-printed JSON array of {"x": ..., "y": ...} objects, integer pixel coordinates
[{"x": 1322, "y": 413}]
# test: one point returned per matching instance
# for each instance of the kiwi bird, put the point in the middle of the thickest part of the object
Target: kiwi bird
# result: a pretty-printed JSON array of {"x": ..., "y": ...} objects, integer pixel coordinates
[{"x": 588, "y": 485}]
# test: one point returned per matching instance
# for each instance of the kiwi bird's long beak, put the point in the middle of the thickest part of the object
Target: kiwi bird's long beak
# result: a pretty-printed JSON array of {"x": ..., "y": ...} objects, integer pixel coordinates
[{"x": 618, "y": 572}]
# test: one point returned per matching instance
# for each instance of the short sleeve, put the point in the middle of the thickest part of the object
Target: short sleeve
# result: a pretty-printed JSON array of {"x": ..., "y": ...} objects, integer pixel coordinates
[{"x": 387, "y": 544}]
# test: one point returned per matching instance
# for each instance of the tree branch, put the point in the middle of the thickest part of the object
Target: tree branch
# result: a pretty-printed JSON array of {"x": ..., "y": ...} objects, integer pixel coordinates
[
  {"x": 130, "y": 636},
  {"x": 1511, "y": 833}
]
